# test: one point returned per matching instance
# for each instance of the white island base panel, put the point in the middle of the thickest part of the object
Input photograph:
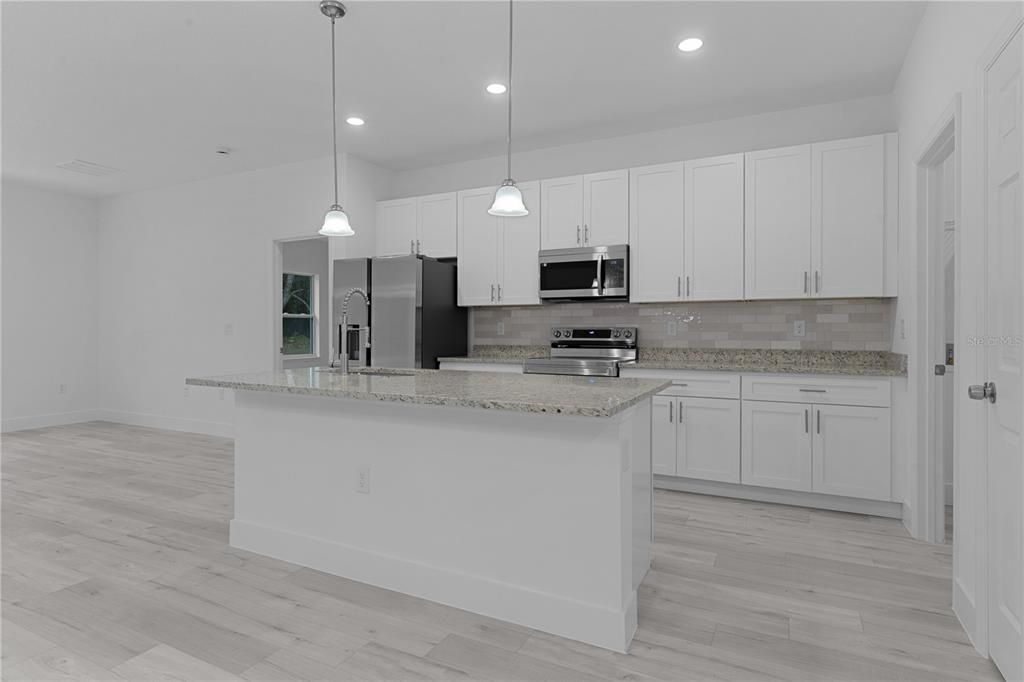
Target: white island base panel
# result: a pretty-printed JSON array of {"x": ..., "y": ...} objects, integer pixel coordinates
[{"x": 537, "y": 519}]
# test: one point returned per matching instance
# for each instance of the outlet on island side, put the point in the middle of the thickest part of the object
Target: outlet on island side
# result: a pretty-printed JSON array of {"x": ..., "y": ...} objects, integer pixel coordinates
[
  {"x": 672, "y": 328},
  {"x": 363, "y": 480}
]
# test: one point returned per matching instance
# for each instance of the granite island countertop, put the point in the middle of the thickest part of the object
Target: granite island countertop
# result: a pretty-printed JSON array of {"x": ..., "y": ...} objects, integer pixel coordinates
[
  {"x": 563, "y": 395},
  {"x": 850, "y": 363}
]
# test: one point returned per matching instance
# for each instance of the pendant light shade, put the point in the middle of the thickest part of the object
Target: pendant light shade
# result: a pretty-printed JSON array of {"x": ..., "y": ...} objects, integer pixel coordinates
[
  {"x": 508, "y": 200},
  {"x": 336, "y": 221}
]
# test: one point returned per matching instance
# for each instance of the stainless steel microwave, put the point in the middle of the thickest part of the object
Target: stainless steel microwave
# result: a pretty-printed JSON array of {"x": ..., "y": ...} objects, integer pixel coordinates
[{"x": 588, "y": 273}]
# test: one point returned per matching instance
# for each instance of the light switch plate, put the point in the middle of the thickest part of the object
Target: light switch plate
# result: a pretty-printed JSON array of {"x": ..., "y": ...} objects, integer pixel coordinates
[
  {"x": 501, "y": 329},
  {"x": 799, "y": 328}
]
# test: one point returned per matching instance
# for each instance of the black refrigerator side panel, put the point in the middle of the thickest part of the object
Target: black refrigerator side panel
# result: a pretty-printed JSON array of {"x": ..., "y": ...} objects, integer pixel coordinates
[{"x": 445, "y": 325}]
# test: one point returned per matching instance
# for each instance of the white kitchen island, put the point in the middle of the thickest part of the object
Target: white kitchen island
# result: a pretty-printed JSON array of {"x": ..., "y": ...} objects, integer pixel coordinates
[{"x": 522, "y": 498}]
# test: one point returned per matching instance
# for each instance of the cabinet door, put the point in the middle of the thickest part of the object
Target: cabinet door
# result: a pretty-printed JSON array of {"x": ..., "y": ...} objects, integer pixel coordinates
[
  {"x": 478, "y": 242},
  {"x": 777, "y": 220},
  {"x": 606, "y": 208},
  {"x": 436, "y": 231},
  {"x": 656, "y": 233},
  {"x": 852, "y": 452},
  {"x": 714, "y": 229},
  {"x": 396, "y": 227},
  {"x": 708, "y": 440},
  {"x": 519, "y": 274},
  {"x": 848, "y": 217},
  {"x": 776, "y": 445},
  {"x": 561, "y": 213},
  {"x": 663, "y": 435}
]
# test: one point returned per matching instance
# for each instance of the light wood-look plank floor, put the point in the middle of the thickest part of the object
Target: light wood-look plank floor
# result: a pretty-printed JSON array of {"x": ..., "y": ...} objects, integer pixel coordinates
[{"x": 116, "y": 565}]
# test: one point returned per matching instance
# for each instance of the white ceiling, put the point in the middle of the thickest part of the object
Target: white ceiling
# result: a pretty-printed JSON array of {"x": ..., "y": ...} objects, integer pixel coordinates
[{"x": 153, "y": 88}]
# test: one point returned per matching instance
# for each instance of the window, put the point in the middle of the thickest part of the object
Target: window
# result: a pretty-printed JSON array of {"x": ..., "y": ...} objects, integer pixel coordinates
[{"x": 298, "y": 315}]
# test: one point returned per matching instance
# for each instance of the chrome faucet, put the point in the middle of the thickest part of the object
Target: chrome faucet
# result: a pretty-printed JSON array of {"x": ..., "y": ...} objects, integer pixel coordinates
[{"x": 343, "y": 360}]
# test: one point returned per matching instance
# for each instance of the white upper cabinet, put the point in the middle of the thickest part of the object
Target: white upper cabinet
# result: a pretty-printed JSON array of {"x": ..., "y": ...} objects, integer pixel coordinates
[
  {"x": 713, "y": 228},
  {"x": 478, "y": 246},
  {"x": 425, "y": 225},
  {"x": 778, "y": 223},
  {"x": 561, "y": 212},
  {"x": 396, "y": 227},
  {"x": 519, "y": 276},
  {"x": 606, "y": 208},
  {"x": 436, "y": 226},
  {"x": 498, "y": 256},
  {"x": 848, "y": 217},
  {"x": 656, "y": 233}
]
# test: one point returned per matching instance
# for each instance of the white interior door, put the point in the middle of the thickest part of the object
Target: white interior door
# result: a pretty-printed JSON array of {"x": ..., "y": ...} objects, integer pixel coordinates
[
  {"x": 519, "y": 274},
  {"x": 1003, "y": 360},
  {"x": 478, "y": 248},
  {"x": 714, "y": 229},
  {"x": 708, "y": 445},
  {"x": 656, "y": 233}
]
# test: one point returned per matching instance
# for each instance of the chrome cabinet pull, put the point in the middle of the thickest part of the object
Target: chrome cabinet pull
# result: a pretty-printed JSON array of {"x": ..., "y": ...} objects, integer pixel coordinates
[
  {"x": 817, "y": 281},
  {"x": 412, "y": 246},
  {"x": 499, "y": 292},
  {"x": 417, "y": 246},
  {"x": 813, "y": 390},
  {"x": 819, "y": 421},
  {"x": 805, "y": 283},
  {"x": 807, "y": 426},
  {"x": 586, "y": 234},
  {"x": 492, "y": 293},
  {"x": 679, "y": 287},
  {"x": 671, "y": 405},
  {"x": 687, "y": 286},
  {"x": 578, "y": 241}
]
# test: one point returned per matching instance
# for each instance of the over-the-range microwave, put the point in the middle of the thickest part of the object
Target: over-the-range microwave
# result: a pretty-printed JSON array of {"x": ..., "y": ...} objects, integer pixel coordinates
[{"x": 585, "y": 274}]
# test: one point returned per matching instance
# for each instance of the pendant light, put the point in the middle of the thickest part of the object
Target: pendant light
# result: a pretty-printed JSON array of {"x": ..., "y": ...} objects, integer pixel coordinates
[
  {"x": 508, "y": 200},
  {"x": 336, "y": 221}
]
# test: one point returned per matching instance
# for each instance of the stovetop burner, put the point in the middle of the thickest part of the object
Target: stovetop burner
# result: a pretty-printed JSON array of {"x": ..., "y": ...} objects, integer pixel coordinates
[{"x": 587, "y": 351}]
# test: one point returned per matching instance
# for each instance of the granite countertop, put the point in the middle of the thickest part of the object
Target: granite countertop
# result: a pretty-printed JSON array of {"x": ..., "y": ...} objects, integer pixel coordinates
[
  {"x": 850, "y": 363},
  {"x": 564, "y": 395}
]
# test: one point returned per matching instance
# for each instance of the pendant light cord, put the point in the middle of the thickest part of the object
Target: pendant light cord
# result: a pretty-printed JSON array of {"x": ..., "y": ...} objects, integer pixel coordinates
[
  {"x": 508, "y": 138},
  {"x": 334, "y": 113}
]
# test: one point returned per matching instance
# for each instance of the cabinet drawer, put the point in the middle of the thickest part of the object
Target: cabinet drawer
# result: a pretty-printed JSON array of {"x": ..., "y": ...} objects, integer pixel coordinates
[
  {"x": 691, "y": 384},
  {"x": 822, "y": 390}
]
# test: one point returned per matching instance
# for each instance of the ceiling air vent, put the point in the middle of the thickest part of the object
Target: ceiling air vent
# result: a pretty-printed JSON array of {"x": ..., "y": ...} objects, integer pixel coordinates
[{"x": 88, "y": 168}]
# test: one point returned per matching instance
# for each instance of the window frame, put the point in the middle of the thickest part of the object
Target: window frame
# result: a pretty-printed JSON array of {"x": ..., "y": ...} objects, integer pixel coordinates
[{"x": 314, "y": 316}]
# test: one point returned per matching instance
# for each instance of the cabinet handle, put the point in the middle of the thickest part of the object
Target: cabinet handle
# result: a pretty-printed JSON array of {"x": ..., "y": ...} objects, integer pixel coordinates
[
  {"x": 671, "y": 405},
  {"x": 679, "y": 287},
  {"x": 412, "y": 246},
  {"x": 578, "y": 241},
  {"x": 675, "y": 384},
  {"x": 499, "y": 292},
  {"x": 819, "y": 421},
  {"x": 417, "y": 246},
  {"x": 807, "y": 423},
  {"x": 492, "y": 293},
  {"x": 813, "y": 390},
  {"x": 687, "y": 286},
  {"x": 586, "y": 234},
  {"x": 817, "y": 281},
  {"x": 805, "y": 283}
]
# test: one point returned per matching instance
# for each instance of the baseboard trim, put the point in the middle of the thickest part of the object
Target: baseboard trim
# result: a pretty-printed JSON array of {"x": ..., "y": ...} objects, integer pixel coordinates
[
  {"x": 588, "y": 623},
  {"x": 893, "y": 510},
  {"x": 157, "y": 421},
  {"x": 44, "y": 420}
]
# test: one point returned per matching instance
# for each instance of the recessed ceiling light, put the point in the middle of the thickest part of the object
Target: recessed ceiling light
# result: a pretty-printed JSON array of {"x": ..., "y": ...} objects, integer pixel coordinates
[
  {"x": 354, "y": 121},
  {"x": 497, "y": 89},
  {"x": 690, "y": 45}
]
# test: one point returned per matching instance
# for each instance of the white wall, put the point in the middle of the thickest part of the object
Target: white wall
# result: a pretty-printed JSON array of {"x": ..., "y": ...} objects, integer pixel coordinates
[
  {"x": 796, "y": 126},
  {"x": 941, "y": 62},
  {"x": 49, "y": 307},
  {"x": 186, "y": 282}
]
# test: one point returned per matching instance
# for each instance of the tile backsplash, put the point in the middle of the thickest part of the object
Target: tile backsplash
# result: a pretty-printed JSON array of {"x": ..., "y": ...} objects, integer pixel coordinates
[{"x": 855, "y": 324}]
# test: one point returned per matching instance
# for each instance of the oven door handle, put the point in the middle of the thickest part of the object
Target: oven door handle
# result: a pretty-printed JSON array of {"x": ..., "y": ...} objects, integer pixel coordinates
[{"x": 600, "y": 274}]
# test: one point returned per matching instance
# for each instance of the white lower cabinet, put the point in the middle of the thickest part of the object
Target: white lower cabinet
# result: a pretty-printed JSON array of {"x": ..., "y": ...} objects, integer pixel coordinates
[
  {"x": 708, "y": 439},
  {"x": 663, "y": 435},
  {"x": 776, "y": 445},
  {"x": 852, "y": 451}
]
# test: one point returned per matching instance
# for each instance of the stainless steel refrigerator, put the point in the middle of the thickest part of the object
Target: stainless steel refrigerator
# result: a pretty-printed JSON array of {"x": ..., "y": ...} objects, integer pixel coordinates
[{"x": 413, "y": 316}]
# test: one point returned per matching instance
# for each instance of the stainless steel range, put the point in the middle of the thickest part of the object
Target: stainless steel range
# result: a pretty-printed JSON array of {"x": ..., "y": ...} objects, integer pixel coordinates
[{"x": 587, "y": 351}]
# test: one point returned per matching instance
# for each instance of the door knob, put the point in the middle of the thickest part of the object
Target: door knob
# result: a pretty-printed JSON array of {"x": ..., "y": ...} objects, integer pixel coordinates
[{"x": 986, "y": 391}]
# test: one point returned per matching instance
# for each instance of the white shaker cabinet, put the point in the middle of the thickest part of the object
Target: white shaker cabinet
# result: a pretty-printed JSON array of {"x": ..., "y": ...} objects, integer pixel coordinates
[
  {"x": 396, "y": 227},
  {"x": 708, "y": 439},
  {"x": 606, "y": 208},
  {"x": 713, "y": 228},
  {"x": 778, "y": 223},
  {"x": 848, "y": 217},
  {"x": 561, "y": 211},
  {"x": 851, "y": 446},
  {"x": 656, "y": 233},
  {"x": 497, "y": 256},
  {"x": 776, "y": 445},
  {"x": 436, "y": 232},
  {"x": 663, "y": 435}
]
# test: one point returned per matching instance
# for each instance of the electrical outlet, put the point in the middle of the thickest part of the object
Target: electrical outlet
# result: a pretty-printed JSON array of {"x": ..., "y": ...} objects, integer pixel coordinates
[
  {"x": 363, "y": 480},
  {"x": 672, "y": 328},
  {"x": 62, "y": 389},
  {"x": 229, "y": 329},
  {"x": 186, "y": 391},
  {"x": 501, "y": 329},
  {"x": 799, "y": 328},
  {"x": 220, "y": 394},
  {"x": 903, "y": 328}
]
